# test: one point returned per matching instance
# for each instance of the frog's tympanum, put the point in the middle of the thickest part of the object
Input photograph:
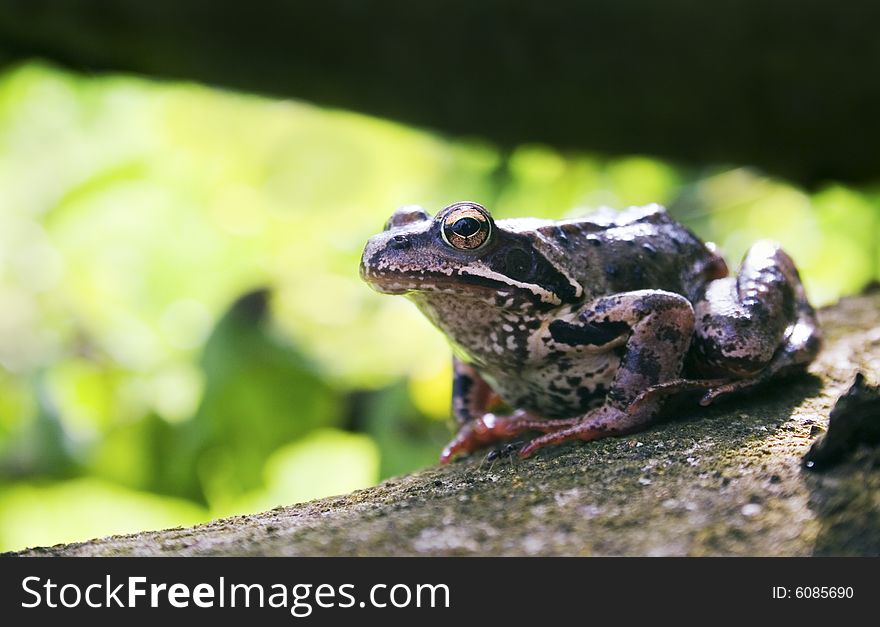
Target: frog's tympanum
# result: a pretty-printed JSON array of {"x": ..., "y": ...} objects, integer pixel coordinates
[{"x": 582, "y": 328}]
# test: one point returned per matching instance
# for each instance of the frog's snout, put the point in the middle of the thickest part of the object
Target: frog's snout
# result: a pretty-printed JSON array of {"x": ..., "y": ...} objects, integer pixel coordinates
[
  {"x": 376, "y": 267},
  {"x": 372, "y": 255}
]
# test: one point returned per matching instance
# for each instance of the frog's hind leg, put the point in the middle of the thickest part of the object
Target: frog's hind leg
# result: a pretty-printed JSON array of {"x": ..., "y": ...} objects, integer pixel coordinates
[
  {"x": 660, "y": 329},
  {"x": 754, "y": 326},
  {"x": 612, "y": 421}
]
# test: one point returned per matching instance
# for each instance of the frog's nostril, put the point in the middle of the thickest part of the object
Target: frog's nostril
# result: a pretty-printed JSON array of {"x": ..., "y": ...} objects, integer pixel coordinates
[{"x": 400, "y": 242}]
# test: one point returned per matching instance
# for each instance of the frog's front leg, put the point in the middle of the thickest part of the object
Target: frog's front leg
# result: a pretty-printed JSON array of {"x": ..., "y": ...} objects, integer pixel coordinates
[
  {"x": 471, "y": 395},
  {"x": 473, "y": 402},
  {"x": 658, "y": 326}
]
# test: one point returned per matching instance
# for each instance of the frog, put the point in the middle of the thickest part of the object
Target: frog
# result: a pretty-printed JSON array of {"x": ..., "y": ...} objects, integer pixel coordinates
[{"x": 585, "y": 328}]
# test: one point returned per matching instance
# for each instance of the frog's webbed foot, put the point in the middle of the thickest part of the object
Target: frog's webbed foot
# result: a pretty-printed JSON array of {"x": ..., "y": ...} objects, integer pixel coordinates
[
  {"x": 608, "y": 420},
  {"x": 490, "y": 428},
  {"x": 611, "y": 421}
]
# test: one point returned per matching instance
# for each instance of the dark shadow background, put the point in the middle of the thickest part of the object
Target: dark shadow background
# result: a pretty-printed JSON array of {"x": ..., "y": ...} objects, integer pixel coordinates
[{"x": 790, "y": 85}]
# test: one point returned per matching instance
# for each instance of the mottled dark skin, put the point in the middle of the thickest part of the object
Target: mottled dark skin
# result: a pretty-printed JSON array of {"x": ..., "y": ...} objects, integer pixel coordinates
[{"x": 584, "y": 327}]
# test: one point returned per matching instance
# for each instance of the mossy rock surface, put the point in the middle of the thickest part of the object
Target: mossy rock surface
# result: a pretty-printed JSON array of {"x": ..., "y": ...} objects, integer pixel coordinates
[{"x": 726, "y": 480}]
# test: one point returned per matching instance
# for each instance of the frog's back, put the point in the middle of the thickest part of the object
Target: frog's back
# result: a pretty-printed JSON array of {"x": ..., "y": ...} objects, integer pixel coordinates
[{"x": 638, "y": 248}]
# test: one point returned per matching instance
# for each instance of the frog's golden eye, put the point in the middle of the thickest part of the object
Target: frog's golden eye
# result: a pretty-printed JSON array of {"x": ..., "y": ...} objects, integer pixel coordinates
[{"x": 467, "y": 227}]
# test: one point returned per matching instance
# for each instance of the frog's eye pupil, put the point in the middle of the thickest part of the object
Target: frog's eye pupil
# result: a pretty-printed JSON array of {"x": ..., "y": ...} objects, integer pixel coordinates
[{"x": 465, "y": 227}]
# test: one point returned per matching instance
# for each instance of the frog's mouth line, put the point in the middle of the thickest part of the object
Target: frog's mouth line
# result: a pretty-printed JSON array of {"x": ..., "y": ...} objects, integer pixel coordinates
[{"x": 430, "y": 282}]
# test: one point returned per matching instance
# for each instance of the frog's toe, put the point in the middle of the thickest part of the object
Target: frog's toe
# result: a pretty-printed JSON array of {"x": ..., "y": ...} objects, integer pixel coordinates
[
  {"x": 733, "y": 387},
  {"x": 602, "y": 422},
  {"x": 581, "y": 431},
  {"x": 465, "y": 441},
  {"x": 651, "y": 397}
]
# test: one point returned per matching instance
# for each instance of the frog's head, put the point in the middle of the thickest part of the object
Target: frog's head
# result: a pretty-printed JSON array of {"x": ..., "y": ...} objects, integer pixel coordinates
[{"x": 462, "y": 251}]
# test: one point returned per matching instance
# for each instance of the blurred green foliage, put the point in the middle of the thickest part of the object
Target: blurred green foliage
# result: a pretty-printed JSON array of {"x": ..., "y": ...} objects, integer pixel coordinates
[{"x": 183, "y": 333}]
